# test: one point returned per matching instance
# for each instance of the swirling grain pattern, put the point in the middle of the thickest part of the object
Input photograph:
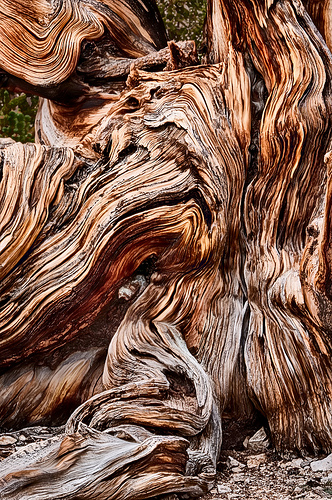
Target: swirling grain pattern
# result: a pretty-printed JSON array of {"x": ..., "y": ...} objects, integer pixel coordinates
[
  {"x": 40, "y": 41},
  {"x": 112, "y": 215},
  {"x": 201, "y": 195},
  {"x": 286, "y": 352}
]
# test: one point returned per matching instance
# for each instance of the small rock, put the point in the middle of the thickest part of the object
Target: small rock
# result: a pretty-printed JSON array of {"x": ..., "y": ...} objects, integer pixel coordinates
[
  {"x": 127, "y": 291},
  {"x": 327, "y": 479},
  {"x": 297, "y": 490},
  {"x": 295, "y": 463},
  {"x": 232, "y": 462},
  {"x": 7, "y": 440},
  {"x": 256, "y": 460},
  {"x": 223, "y": 488},
  {"x": 22, "y": 437},
  {"x": 235, "y": 470},
  {"x": 238, "y": 478},
  {"x": 322, "y": 465},
  {"x": 246, "y": 441},
  {"x": 259, "y": 441}
]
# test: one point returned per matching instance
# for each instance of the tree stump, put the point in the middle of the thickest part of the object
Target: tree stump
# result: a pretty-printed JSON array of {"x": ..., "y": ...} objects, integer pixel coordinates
[{"x": 165, "y": 245}]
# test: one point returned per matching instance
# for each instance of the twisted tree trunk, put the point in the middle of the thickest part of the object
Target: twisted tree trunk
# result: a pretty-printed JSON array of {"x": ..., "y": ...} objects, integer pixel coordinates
[{"x": 165, "y": 245}]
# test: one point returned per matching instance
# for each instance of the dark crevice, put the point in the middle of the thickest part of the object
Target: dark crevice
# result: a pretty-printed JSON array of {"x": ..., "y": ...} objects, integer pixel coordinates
[
  {"x": 99, "y": 333},
  {"x": 236, "y": 430},
  {"x": 307, "y": 91},
  {"x": 244, "y": 336},
  {"x": 107, "y": 149},
  {"x": 2, "y": 161},
  {"x": 180, "y": 385},
  {"x": 147, "y": 267},
  {"x": 282, "y": 223},
  {"x": 259, "y": 96},
  {"x": 129, "y": 150},
  {"x": 155, "y": 69}
]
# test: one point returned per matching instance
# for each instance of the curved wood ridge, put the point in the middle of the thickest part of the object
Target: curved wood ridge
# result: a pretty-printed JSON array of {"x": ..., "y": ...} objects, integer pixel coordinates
[
  {"x": 122, "y": 210},
  {"x": 40, "y": 41},
  {"x": 73, "y": 123},
  {"x": 287, "y": 349},
  {"x": 321, "y": 14},
  {"x": 170, "y": 263}
]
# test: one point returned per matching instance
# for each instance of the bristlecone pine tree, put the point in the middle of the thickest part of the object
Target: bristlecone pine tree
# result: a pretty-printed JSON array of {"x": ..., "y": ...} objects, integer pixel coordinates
[{"x": 166, "y": 245}]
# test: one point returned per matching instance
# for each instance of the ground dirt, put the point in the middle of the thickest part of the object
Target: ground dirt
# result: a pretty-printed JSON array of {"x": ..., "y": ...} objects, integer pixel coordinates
[
  {"x": 242, "y": 473},
  {"x": 267, "y": 476}
]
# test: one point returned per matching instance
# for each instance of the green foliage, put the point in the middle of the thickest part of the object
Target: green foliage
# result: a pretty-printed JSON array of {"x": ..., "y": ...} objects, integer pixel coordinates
[
  {"x": 183, "y": 19},
  {"x": 17, "y": 116}
]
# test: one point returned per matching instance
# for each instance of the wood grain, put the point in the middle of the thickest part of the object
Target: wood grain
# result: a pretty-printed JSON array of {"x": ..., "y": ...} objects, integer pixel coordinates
[
  {"x": 165, "y": 246},
  {"x": 41, "y": 41}
]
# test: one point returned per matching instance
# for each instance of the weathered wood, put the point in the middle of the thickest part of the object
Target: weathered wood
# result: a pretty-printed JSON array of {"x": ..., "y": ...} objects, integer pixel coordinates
[
  {"x": 173, "y": 213},
  {"x": 74, "y": 124},
  {"x": 41, "y": 42},
  {"x": 286, "y": 350},
  {"x": 165, "y": 247}
]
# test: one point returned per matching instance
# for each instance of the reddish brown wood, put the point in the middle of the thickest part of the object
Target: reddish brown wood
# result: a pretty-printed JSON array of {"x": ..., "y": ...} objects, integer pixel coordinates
[{"x": 165, "y": 245}]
